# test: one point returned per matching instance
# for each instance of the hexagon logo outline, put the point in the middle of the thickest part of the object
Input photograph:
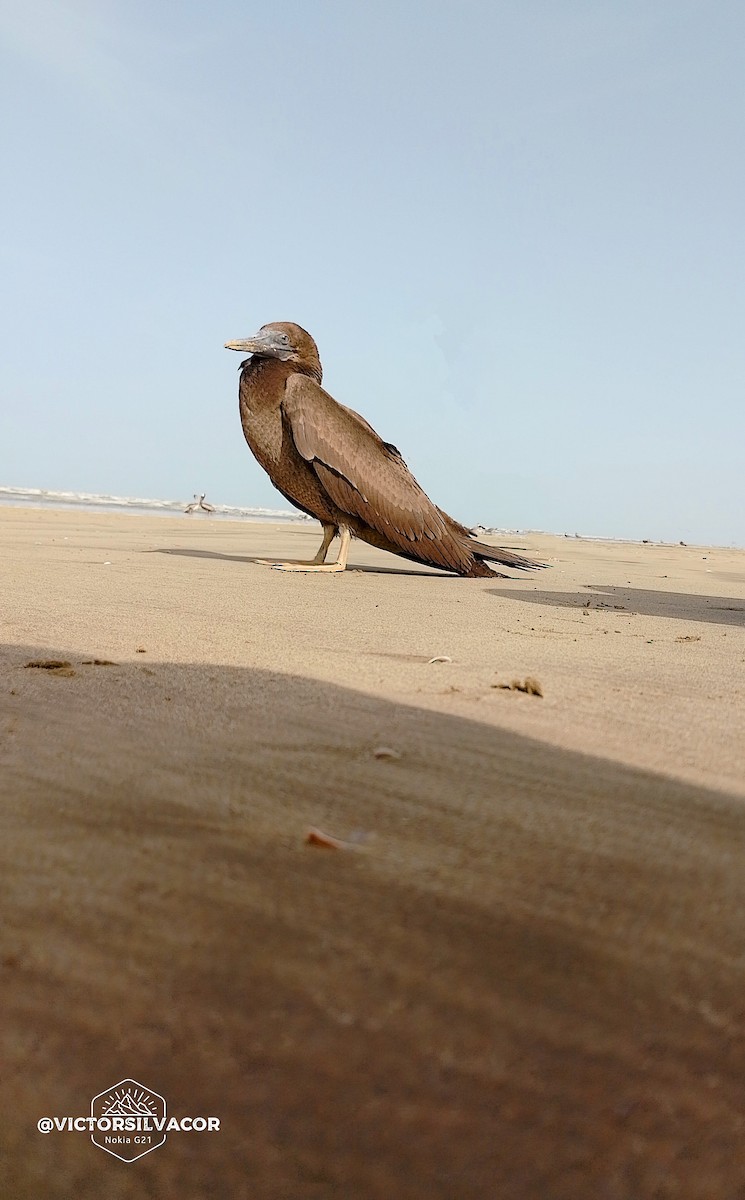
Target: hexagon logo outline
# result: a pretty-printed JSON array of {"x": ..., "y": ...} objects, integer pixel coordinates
[{"x": 128, "y": 1098}]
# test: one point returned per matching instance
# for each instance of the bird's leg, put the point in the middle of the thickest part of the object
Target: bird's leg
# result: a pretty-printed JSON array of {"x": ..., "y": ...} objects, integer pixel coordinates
[
  {"x": 319, "y": 564},
  {"x": 329, "y": 533}
]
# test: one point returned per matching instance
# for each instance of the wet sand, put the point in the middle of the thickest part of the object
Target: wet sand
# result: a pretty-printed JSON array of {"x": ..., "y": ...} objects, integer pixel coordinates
[{"x": 523, "y": 978}]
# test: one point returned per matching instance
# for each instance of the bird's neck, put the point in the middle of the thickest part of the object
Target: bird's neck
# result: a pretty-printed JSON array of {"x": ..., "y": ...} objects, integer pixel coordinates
[
  {"x": 270, "y": 375},
  {"x": 263, "y": 384}
]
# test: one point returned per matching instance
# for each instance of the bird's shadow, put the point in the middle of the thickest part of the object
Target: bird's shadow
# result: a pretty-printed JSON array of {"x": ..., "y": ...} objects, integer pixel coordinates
[
  {"x": 718, "y": 610},
  {"x": 263, "y": 559}
]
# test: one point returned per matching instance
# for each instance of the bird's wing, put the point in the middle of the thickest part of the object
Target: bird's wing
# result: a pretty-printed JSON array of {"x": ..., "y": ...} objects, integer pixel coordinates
[{"x": 365, "y": 476}]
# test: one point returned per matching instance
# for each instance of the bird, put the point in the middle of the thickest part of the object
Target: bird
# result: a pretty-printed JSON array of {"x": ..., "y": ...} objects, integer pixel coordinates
[
  {"x": 199, "y": 502},
  {"x": 328, "y": 461}
]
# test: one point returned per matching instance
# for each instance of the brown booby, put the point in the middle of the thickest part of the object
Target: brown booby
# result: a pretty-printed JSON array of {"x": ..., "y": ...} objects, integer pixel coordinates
[{"x": 326, "y": 460}]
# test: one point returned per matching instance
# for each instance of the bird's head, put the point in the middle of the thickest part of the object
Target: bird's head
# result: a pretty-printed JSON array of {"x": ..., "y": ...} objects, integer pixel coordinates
[{"x": 284, "y": 341}]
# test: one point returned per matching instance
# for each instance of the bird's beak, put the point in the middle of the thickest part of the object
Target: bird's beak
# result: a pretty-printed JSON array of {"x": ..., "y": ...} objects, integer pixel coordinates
[
  {"x": 265, "y": 342},
  {"x": 252, "y": 345}
]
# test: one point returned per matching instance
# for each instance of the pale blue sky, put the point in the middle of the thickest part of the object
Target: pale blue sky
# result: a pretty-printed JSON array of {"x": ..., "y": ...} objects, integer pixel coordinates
[{"x": 514, "y": 229}]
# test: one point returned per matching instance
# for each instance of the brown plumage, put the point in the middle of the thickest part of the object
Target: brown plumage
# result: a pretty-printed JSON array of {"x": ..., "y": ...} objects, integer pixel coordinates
[{"x": 328, "y": 461}]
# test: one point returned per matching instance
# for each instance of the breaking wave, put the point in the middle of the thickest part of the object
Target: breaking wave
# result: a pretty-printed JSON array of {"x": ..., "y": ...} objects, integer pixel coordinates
[{"x": 40, "y": 497}]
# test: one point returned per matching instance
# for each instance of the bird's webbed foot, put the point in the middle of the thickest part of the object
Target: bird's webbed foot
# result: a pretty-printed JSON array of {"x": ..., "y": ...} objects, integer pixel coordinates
[
  {"x": 318, "y": 563},
  {"x": 297, "y": 564},
  {"x": 331, "y": 568}
]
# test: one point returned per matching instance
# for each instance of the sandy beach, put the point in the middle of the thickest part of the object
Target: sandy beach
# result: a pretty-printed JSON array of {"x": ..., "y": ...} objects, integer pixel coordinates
[{"x": 521, "y": 977}]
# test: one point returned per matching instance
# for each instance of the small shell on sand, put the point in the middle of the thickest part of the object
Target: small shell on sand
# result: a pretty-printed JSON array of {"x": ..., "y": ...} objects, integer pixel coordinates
[
  {"x": 440, "y": 658},
  {"x": 386, "y": 752},
  {"x": 316, "y": 837}
]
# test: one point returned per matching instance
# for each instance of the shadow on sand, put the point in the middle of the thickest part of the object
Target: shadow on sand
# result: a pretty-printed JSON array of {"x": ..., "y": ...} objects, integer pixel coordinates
[
  {"x": 720, "y": 610},
  {"x": 524, "y": 980},
  {"x": 264, "y": 559}
]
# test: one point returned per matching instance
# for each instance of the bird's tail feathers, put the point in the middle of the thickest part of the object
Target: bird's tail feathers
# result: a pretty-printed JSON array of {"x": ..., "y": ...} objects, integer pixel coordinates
[{"x": 498, "y": 554}]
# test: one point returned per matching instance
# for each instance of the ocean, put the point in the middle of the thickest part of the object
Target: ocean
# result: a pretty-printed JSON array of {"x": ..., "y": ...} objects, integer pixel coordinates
[
  {"x": 139, "y": 506},
  {"x": 41, "y": 498}
]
